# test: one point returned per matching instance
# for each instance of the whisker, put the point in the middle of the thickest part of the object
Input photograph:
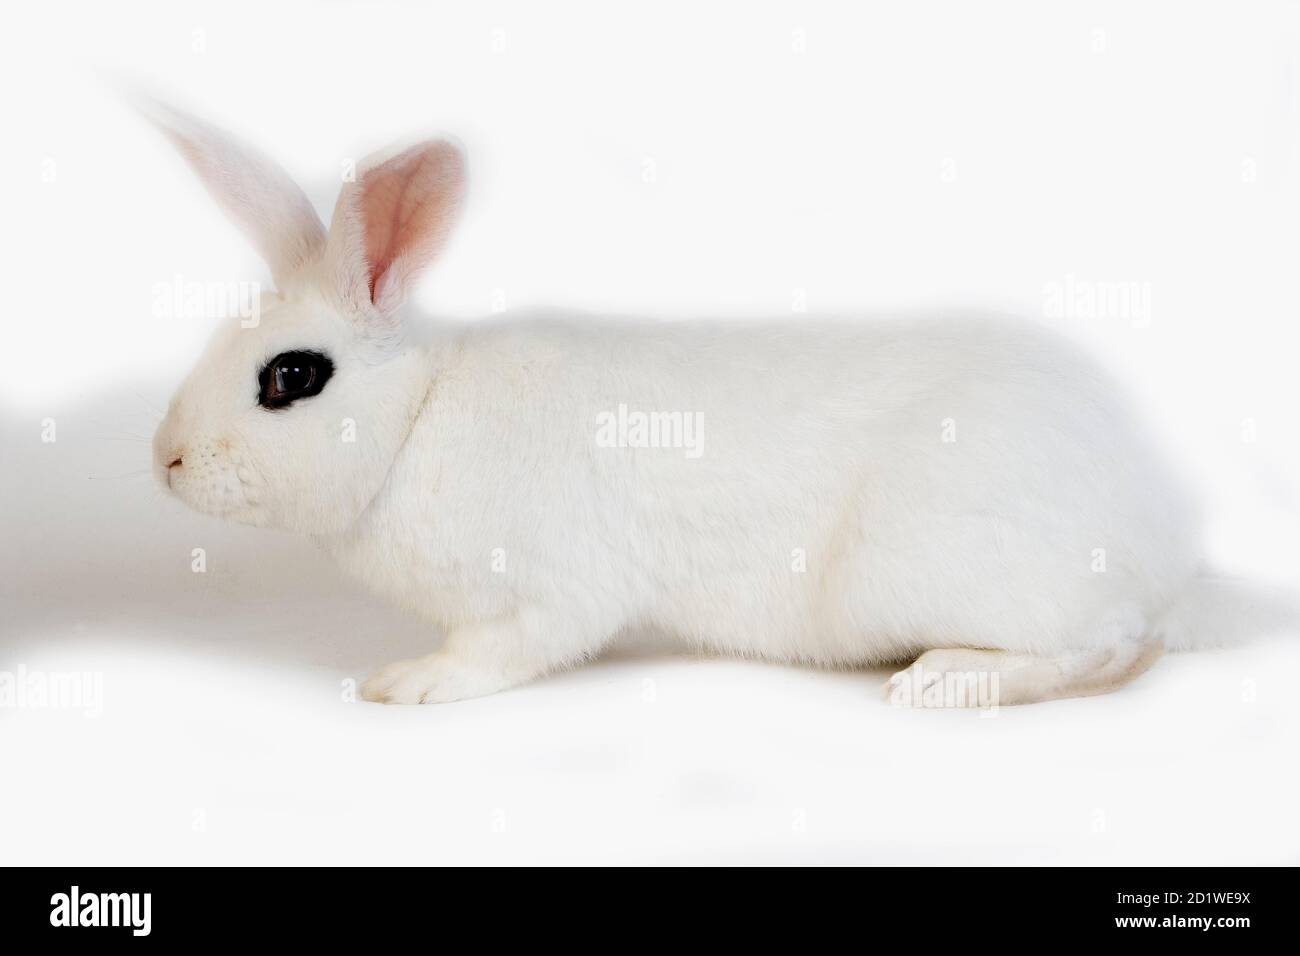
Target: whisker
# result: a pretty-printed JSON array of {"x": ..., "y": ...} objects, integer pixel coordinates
[
  {"x": 114, "y": 427},
  {"x": 129, "y": 474},
  {"x": 149, "y": 405}
]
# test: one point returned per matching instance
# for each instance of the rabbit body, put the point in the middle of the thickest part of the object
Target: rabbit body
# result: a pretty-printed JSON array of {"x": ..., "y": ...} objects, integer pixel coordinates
[{"x": 861, "y": 492}]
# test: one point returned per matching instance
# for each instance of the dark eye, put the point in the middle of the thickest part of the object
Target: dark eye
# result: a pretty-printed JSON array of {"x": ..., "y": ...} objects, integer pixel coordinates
[{"x": 291, "y": 376}]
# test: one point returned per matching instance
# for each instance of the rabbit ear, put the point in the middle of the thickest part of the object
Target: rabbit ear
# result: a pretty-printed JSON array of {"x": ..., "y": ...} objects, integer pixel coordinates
[
  {"x": 390, "y": 223},
  {"x": 253, "y": 190}
]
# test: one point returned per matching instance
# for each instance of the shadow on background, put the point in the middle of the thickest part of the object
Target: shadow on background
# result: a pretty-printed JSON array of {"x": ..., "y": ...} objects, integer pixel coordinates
[{"x": 92, "y": 548}]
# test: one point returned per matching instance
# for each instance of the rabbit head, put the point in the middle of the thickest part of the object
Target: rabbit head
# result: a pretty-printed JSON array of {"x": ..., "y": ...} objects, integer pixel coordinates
[{"x": 294, "y": 421}]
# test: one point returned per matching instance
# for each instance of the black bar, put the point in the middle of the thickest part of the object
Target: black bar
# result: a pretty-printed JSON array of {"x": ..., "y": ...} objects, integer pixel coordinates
[{"x": 424, "y": 909}]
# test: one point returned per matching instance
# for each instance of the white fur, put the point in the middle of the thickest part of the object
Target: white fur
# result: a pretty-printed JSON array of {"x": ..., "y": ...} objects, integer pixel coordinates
[{"x": 864, "y": 491}]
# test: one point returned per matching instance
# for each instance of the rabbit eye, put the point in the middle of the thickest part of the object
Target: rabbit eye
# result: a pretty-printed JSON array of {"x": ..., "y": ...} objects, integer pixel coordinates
[{"x": 291, "y": 376}]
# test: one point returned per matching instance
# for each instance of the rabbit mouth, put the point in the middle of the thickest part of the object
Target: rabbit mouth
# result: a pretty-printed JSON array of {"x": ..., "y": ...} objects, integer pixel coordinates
[
  {"x": 217, "y": 486},
  {"x": 223, "y": 496}
]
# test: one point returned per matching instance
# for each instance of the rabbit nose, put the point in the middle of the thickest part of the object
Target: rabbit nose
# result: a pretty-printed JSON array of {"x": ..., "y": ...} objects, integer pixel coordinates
[
  {"x": 168, "y": 455},
  {"x": 172, "y": 465}
]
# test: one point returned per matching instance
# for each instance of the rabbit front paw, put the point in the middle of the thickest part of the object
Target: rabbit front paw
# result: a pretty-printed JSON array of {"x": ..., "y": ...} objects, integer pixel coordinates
[{"x": 436, "y": 679}]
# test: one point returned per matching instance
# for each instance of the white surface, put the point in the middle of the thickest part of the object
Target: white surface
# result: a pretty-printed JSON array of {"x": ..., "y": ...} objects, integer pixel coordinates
[{"x": 224, "y": 736}]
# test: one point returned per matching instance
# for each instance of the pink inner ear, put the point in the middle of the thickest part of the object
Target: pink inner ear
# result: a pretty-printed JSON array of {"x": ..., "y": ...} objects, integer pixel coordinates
[{"x": 406, "y": 206}]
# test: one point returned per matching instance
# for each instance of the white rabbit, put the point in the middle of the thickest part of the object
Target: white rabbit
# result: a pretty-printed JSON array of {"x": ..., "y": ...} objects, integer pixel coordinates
[{"x": 971, "y": 491}]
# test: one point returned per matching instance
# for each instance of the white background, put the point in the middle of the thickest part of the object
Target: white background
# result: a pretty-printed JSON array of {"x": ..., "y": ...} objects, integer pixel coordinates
[{"x": 673, "y": 159}]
